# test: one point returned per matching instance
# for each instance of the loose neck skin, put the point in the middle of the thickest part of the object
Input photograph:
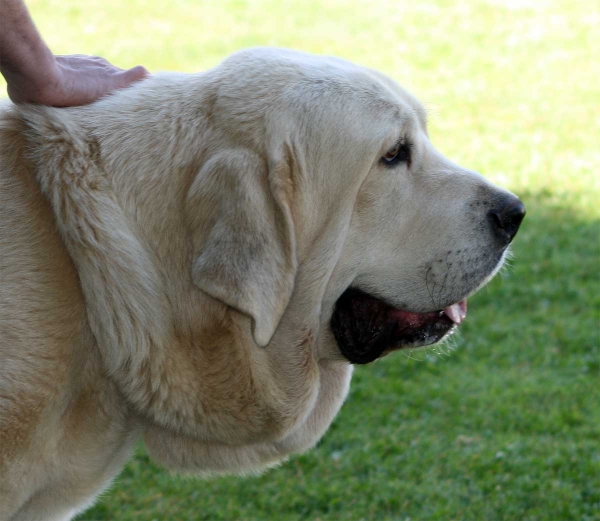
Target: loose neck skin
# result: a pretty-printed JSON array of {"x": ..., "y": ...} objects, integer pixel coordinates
[{"x": 173, "y": 351}]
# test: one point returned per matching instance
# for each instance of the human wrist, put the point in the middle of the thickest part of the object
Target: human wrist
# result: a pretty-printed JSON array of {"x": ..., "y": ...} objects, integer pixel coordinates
[
  {"x": 47, "y": 74},
  {"x": 26, "y": 62},
  {"x": 36, "y": 75}
]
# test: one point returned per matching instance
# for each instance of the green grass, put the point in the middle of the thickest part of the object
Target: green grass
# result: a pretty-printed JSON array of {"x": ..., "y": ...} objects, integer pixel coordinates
[{"x": 506, "y": 426}]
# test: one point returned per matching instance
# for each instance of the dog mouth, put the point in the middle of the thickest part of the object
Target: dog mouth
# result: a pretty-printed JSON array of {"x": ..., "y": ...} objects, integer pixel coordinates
[{"x": 367, "y": 328}]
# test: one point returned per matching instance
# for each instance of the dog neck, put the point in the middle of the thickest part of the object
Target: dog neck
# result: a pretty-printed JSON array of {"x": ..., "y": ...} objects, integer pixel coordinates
[{"x": 133, "y": 256}]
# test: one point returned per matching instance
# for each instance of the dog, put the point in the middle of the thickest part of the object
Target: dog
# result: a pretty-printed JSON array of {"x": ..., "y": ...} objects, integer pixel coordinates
[{"x": 199, "y": 260}]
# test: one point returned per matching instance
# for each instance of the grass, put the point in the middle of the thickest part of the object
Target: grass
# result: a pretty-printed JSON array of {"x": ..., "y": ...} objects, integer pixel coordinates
[{"x": 504, "y": 425}]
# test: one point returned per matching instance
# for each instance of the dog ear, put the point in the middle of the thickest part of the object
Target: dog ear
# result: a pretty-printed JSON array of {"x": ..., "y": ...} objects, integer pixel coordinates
[{"x": 244, "y": 245}]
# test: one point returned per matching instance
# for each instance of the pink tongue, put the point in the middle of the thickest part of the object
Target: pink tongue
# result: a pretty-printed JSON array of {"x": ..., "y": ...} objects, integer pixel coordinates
[
  {"x": 413, "y": 320},
  {"x": 457, "y": 312}
]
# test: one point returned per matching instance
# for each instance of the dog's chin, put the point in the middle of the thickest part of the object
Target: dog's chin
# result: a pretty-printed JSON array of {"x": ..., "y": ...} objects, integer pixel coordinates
[{"x": 366, "y": 328}]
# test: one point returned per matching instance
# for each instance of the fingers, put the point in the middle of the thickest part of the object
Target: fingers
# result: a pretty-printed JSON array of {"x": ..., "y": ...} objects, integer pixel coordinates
[
  {"x": 84, "y": 79},
  {"x": 135, "y": 74},
  {"x": 125, "y": 78},
  {"x": 75, "y": 80}
]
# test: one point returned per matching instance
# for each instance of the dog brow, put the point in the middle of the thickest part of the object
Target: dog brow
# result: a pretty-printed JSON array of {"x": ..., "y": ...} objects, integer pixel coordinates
[{"x": 421, "y": 115}]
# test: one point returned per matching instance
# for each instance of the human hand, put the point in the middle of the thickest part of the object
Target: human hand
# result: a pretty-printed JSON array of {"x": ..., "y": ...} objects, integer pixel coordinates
[
  {"x": 34, "y": 75},
  {"x": 71, "y": 80}
]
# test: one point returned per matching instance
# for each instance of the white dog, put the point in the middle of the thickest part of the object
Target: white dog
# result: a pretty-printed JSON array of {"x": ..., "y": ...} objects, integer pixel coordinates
[{"x": 198, "y": 260}]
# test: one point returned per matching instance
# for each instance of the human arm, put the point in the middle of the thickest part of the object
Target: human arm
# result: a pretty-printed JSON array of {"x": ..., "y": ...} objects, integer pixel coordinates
[{"x": 34, "y": 75}]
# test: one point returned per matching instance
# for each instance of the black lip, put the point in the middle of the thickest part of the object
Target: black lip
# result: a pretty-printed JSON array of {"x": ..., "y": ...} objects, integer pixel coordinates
[{"x": 365, "y": 327}]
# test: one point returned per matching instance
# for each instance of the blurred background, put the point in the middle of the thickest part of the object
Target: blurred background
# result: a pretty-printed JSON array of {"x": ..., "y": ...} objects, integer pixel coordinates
[{"x": 504, "y": 423}]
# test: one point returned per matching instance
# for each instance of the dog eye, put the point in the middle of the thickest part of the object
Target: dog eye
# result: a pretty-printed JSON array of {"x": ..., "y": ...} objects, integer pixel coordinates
[{"x": 400, "y": 153}]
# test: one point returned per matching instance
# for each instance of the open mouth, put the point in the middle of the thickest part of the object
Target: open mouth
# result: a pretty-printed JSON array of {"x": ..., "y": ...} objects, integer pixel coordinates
[{"x": 367, "y": 328}]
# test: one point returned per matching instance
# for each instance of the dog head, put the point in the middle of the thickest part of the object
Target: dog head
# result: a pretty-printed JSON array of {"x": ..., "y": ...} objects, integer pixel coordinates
[{"x": 331, "y": 204}]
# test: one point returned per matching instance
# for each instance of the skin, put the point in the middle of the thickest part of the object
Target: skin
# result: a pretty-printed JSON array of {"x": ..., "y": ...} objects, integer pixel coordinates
[{"x": 35, "y": 75}]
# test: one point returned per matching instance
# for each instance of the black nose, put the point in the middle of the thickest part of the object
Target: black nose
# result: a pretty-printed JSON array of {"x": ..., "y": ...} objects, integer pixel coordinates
[{"x": 507, "y": 220}]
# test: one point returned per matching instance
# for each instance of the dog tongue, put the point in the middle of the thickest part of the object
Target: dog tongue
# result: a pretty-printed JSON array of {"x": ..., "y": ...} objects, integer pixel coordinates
[{"x": 457, "y": 312}]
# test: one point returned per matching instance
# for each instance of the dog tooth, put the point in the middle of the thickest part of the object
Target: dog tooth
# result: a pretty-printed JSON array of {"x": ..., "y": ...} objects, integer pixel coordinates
[
  {"x": 454, "y": 313},
  {"x": 462, "y": 307}
]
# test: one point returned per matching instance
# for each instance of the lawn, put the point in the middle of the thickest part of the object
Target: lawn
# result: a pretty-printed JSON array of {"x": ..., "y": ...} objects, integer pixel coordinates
[{"x": 505, "y": 423}]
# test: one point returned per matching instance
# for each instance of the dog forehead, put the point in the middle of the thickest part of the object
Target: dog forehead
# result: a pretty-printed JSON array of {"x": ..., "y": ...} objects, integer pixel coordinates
[
  {"x": 409, "y": 101},
  {"x": 274, "y": 72},
  {"x": 266, "y": 92},
  {"x": 289, "y": 63}
]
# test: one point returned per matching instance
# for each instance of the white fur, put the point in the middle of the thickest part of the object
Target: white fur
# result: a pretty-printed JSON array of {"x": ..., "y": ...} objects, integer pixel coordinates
[{"x": 177, "y": 276}]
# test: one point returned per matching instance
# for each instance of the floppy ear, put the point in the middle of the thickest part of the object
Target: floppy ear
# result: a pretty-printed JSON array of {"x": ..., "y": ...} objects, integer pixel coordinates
[{"x": 244, "y": 245}]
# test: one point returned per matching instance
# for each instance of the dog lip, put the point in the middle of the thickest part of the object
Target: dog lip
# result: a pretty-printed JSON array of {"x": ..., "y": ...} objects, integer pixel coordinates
[{"x": 366, "y": 328}]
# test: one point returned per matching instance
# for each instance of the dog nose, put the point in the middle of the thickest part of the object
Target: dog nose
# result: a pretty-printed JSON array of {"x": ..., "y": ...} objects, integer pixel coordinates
[{"x": 507, "y": 220}]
